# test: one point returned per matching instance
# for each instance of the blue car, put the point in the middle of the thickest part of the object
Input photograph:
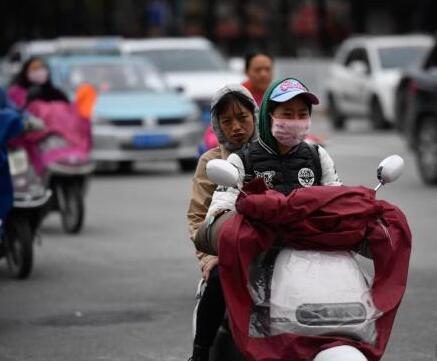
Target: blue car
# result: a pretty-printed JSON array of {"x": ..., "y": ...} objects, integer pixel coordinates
[{"x": 135, "y": 118}]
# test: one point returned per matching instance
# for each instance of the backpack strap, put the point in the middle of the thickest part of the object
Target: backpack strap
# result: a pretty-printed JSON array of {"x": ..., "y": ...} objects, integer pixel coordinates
[{"x": 314, "y": 148}]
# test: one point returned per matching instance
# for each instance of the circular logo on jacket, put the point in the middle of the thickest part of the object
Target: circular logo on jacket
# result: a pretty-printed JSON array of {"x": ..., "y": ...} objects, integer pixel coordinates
[{"x": 306, "y": 177}]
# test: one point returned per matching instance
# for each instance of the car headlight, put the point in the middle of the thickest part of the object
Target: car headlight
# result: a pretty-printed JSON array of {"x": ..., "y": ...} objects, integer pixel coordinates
[{"x": 18, "y": 162}]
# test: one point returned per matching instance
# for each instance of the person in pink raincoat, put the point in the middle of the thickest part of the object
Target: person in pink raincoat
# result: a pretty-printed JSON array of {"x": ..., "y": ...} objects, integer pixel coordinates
[
  {"x": 33, "y": 90},
  {"x": 33, "y": 83}
]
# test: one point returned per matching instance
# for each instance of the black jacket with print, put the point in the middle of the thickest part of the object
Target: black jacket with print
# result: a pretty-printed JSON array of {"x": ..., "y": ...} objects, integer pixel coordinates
[{"x": 300, "y": 167}]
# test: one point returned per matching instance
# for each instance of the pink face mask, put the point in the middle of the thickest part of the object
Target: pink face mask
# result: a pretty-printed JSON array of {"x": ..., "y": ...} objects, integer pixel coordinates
[
  {"x": 38, "y": 76},
  {"x": 290, "y": 132}
]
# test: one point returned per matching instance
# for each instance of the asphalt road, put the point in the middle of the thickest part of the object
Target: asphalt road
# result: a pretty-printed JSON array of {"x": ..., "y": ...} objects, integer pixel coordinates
[{"x": 123, "y": 289}]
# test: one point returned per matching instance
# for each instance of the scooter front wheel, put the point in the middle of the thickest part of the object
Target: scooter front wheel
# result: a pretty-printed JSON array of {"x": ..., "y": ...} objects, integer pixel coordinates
[
  {"x": 71, "y": 206},
  {"x": 19, "y": 246}
]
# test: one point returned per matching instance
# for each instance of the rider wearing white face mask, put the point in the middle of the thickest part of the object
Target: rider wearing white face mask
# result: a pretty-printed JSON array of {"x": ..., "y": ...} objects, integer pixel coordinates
[
  {"x": 38, "y": 76},
  {"x": 34, "y": 75},
  {"x": 281, "y": 156}
]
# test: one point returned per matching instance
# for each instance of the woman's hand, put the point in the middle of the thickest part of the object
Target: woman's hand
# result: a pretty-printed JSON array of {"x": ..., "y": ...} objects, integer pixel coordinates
[{"x": 208, "y": 266}]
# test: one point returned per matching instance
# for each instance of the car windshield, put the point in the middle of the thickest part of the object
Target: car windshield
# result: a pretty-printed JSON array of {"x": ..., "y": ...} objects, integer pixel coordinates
[
  {"x": 115, "y": 77},
  {"x": 402, "y": 57},
  {"x": 180, "y": 60}
]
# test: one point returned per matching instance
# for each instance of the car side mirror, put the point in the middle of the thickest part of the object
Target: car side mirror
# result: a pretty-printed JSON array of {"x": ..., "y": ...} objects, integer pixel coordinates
[
  {"x": 15, "y": 58},
  {"x": 359, "y": 67},
  {"x": 179, "y": 89},
  {"x": 236, "y": 65}
]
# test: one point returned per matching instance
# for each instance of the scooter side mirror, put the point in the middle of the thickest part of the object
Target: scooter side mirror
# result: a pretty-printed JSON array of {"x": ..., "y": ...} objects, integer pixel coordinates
[
  {"x": 390, "y": 169},
  {"x": 223, "y": 173}
]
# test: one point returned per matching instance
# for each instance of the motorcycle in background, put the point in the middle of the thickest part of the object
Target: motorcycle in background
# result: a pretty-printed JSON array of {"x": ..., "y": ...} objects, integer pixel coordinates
[
  {"x": 18, "y": 231},
  {"x": 61, "y": 157},
  {"x": 68, "y": 178}
]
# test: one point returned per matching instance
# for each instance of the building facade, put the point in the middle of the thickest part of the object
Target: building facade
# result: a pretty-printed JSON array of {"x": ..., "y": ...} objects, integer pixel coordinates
[{"x": 281, "y": 27}]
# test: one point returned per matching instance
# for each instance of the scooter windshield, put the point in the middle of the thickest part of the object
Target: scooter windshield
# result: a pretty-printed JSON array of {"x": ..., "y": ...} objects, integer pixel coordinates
[
  {"x": 289, "y": 303},
  {"x": 312, "y": 293}
]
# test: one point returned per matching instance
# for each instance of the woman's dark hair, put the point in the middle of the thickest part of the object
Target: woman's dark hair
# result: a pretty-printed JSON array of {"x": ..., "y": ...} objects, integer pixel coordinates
[
  {"x": 21, "y": 77},
  {"x": 229, "y": 99},
  {"x": 249, "y": 57},
  {"x": 46, "y": 92}
]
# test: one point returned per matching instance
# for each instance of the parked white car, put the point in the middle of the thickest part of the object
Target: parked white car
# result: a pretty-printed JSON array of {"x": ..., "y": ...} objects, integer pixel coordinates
[
  {"x": 190, "y": 65},
  {"x": 365, "y": 75}
]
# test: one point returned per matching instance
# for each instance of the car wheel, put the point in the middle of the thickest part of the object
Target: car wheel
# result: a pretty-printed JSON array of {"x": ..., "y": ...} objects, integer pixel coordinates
[
  {"x": 377, "y": 115},
  {"x": 426, "y": 150},
  {"x": 188, "y": 164},
  {"x": 401, "y": 103},
  {"x": 337, "y": 119}
]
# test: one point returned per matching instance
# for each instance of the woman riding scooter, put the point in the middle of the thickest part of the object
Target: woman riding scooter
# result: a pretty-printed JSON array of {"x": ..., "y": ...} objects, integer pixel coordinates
[
  {"x": 20, "y": 188},
  {"x": 33, "y": 83},
  {"x": 61, "y": 153},
  {"x": 259, "y": 71},
  {"x": 234, "y": 114}
]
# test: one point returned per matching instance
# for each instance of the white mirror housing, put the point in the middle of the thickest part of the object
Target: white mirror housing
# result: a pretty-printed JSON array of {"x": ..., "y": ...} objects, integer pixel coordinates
[
  {"x": 223, "y": 173},
  {"x": 359, "y": 67},
  {"x": 390, "y": 169}
]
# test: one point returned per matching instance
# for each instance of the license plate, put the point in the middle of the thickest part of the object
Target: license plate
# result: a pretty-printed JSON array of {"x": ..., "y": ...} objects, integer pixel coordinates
[
  {"x": 18, "y": 161},
  {"x": 145, "y": 141}
]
